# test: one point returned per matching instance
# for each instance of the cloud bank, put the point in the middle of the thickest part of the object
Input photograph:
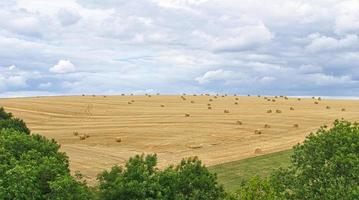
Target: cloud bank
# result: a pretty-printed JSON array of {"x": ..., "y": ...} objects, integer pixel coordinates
[{"x": 298, "y": 47}]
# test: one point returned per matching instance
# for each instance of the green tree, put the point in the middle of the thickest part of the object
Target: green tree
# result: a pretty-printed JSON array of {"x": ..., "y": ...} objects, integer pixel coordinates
[
  {"x": 4, "y": 115},
  {"x": 257, "y": 189},
  {"x": 325, "y": 166},
  {"x": 7, "y": 121},
  {"x": 142, "y": 180},
  {"x": 16, "y": 124},
  {"x": 31, "y": 167}
]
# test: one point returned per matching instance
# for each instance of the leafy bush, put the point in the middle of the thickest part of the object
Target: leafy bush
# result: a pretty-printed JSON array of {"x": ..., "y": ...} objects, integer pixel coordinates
[
  {"x": 325, "y": 166},
  {"x": 31, "y": 167},
  {"x": 16, "y": 124},
  {"x": 4, "y": 115},
  {"x": 142, "y": 180},
  {"x": 7, "y": 121}
]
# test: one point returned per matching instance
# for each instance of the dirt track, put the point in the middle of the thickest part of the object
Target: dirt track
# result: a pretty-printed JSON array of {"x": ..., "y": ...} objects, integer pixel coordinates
[{"x": 146, "y": 127}]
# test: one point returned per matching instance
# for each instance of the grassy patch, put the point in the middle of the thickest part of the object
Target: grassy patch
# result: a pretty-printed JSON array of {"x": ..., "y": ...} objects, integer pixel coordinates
[{"x": 231, "y": 174}]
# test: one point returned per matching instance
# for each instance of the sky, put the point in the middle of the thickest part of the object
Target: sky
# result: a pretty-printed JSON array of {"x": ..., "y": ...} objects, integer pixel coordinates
[{"x": 267, "y": 47}]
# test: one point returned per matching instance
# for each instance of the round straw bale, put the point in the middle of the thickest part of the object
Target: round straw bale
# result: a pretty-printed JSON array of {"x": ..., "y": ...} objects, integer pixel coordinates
[
  {"x": 258, "y": 150},
  {"x": 278, "y": 111},
  {"x": 186, "y": 114},
  {"x": 258, "y": 132},
  {"x": 266, "y": 126},
  {"x": 295, "y": 125},
  {"x": 226, "y": 111},
  {"x": 118, "y": 139},
  {"x": 269, "y": 111}
]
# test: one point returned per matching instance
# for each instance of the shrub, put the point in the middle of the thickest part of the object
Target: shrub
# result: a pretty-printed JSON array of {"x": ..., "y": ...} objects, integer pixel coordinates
[
  {"x": 4, "y": 115},
  {"x": 325, "y": 166},
  {"x": 16, "y": 124},
  {"x": 140, "y": 179}
]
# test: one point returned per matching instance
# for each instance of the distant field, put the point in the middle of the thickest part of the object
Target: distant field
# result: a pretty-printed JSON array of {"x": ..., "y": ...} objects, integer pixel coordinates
[
  {"x": 158, "y": 124},
  {"x": 233, "y": 173}
]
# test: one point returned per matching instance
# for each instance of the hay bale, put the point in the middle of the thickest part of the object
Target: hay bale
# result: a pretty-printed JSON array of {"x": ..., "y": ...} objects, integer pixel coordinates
[
  {"x": 215, "y": 97},
  {"x": 299, "y": 99},
  {"x": 327, "y": 107},
  {"x": 184, "y": 94},
  {"x": 222, "y": 96},
  {"x": 93, "y": 95},
  {"x": 131, "y": 94},
  {"x": 83, "y": 95},
  {"x": 278, "y": 111},
  {"x": 82, "y": 137},
  {"x": 195, "y": 146},
  {"x": 258, "y": 95},
  {"x": 129, "y": 102},
  {"x": 192, "y": 101},
  {"x": 316, "y": 102},
  {"x": 87, "y": 135},
  {"x": 291, "y": 108},
  {"x": 265, "y": 97},
  {"x": 276, "y": 97},
  {"x": 286, "y": 98},
  {"x": 258, "y": 150},
  {"x": 269, "y": 111},
  {"x": 236, "y": 98},
  {"x": 208, "y": 104},
  {"x": 343, "y": 109},
  {"x": 248, "y": 95},
  {"x": 210, "y": 100},
  {"x": 268, "y": 100},
  {"x": 266, "y": 126},
  {"x": 76, "y": 133},
  {"x": 133, "y": 101},
  {"x": 235, "y": 103},
  {"x": 257, "y": 132},
  {"x": 104, "y": 96},
  {"x": 319, "y": 99},
  {"x": 186, "y": 114},
  {"x": 226, "y": 111},
  {"x": 149, "y": 95},
  {"x": 124, "y": 94},
  {"x": 162, "y": 105},
  {"x": 209, "y": 108},
  {"x": 118, "y": 139},
  {"x": 273, "y": 100},
  {"x": 239, "y": 122},
  {"x": 157, "y": 94},
  {"x": 295, "y": 125}
]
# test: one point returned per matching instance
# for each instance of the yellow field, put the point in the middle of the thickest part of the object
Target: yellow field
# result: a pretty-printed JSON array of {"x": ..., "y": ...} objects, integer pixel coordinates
[{"x": 144, "y": 126}]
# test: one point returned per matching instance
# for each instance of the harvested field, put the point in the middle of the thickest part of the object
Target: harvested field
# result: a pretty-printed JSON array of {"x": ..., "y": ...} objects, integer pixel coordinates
[{"x": 110, "y": 130}]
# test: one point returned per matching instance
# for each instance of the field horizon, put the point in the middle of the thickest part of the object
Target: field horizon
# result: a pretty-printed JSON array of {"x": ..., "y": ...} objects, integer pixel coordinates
[{"x": 98, "y": 131}]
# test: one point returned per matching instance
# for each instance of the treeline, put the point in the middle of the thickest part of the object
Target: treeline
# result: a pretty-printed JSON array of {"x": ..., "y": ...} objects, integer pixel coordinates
[{"x": 324, "y": 166}]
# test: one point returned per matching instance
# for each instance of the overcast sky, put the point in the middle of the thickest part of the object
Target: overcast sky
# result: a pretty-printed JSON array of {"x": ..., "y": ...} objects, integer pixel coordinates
[{"x": 273, "y": 47}]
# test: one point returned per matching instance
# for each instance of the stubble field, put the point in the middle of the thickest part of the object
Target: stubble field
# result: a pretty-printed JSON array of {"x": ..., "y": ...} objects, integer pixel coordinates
[{"x": 174, "y": 127}]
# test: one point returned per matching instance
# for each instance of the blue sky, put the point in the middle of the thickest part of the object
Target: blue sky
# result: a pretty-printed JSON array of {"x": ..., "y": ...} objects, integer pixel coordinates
[{"x": 274, "y": 47}]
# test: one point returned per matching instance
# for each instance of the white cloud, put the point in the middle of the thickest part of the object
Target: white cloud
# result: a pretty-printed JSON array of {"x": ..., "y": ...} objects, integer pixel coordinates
[
  {"x": 68, "y": 17},
  {"x": 324, "y": 43},
  {"x": 209, "y": 76},
  {"x": 62, "y": 67}
]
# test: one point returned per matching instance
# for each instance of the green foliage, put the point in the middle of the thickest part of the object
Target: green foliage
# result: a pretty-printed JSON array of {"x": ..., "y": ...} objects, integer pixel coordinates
[
  {"x": 256, "y": 189},
  {"x": 31, "y": 166},
  {"x": 14, "y": 123},
  {"x": 7, "y": 121},
  {"x": 142, "y": 180},
  {"x": 325, "y": 166},
  {"x": 4, "y": 115}
]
